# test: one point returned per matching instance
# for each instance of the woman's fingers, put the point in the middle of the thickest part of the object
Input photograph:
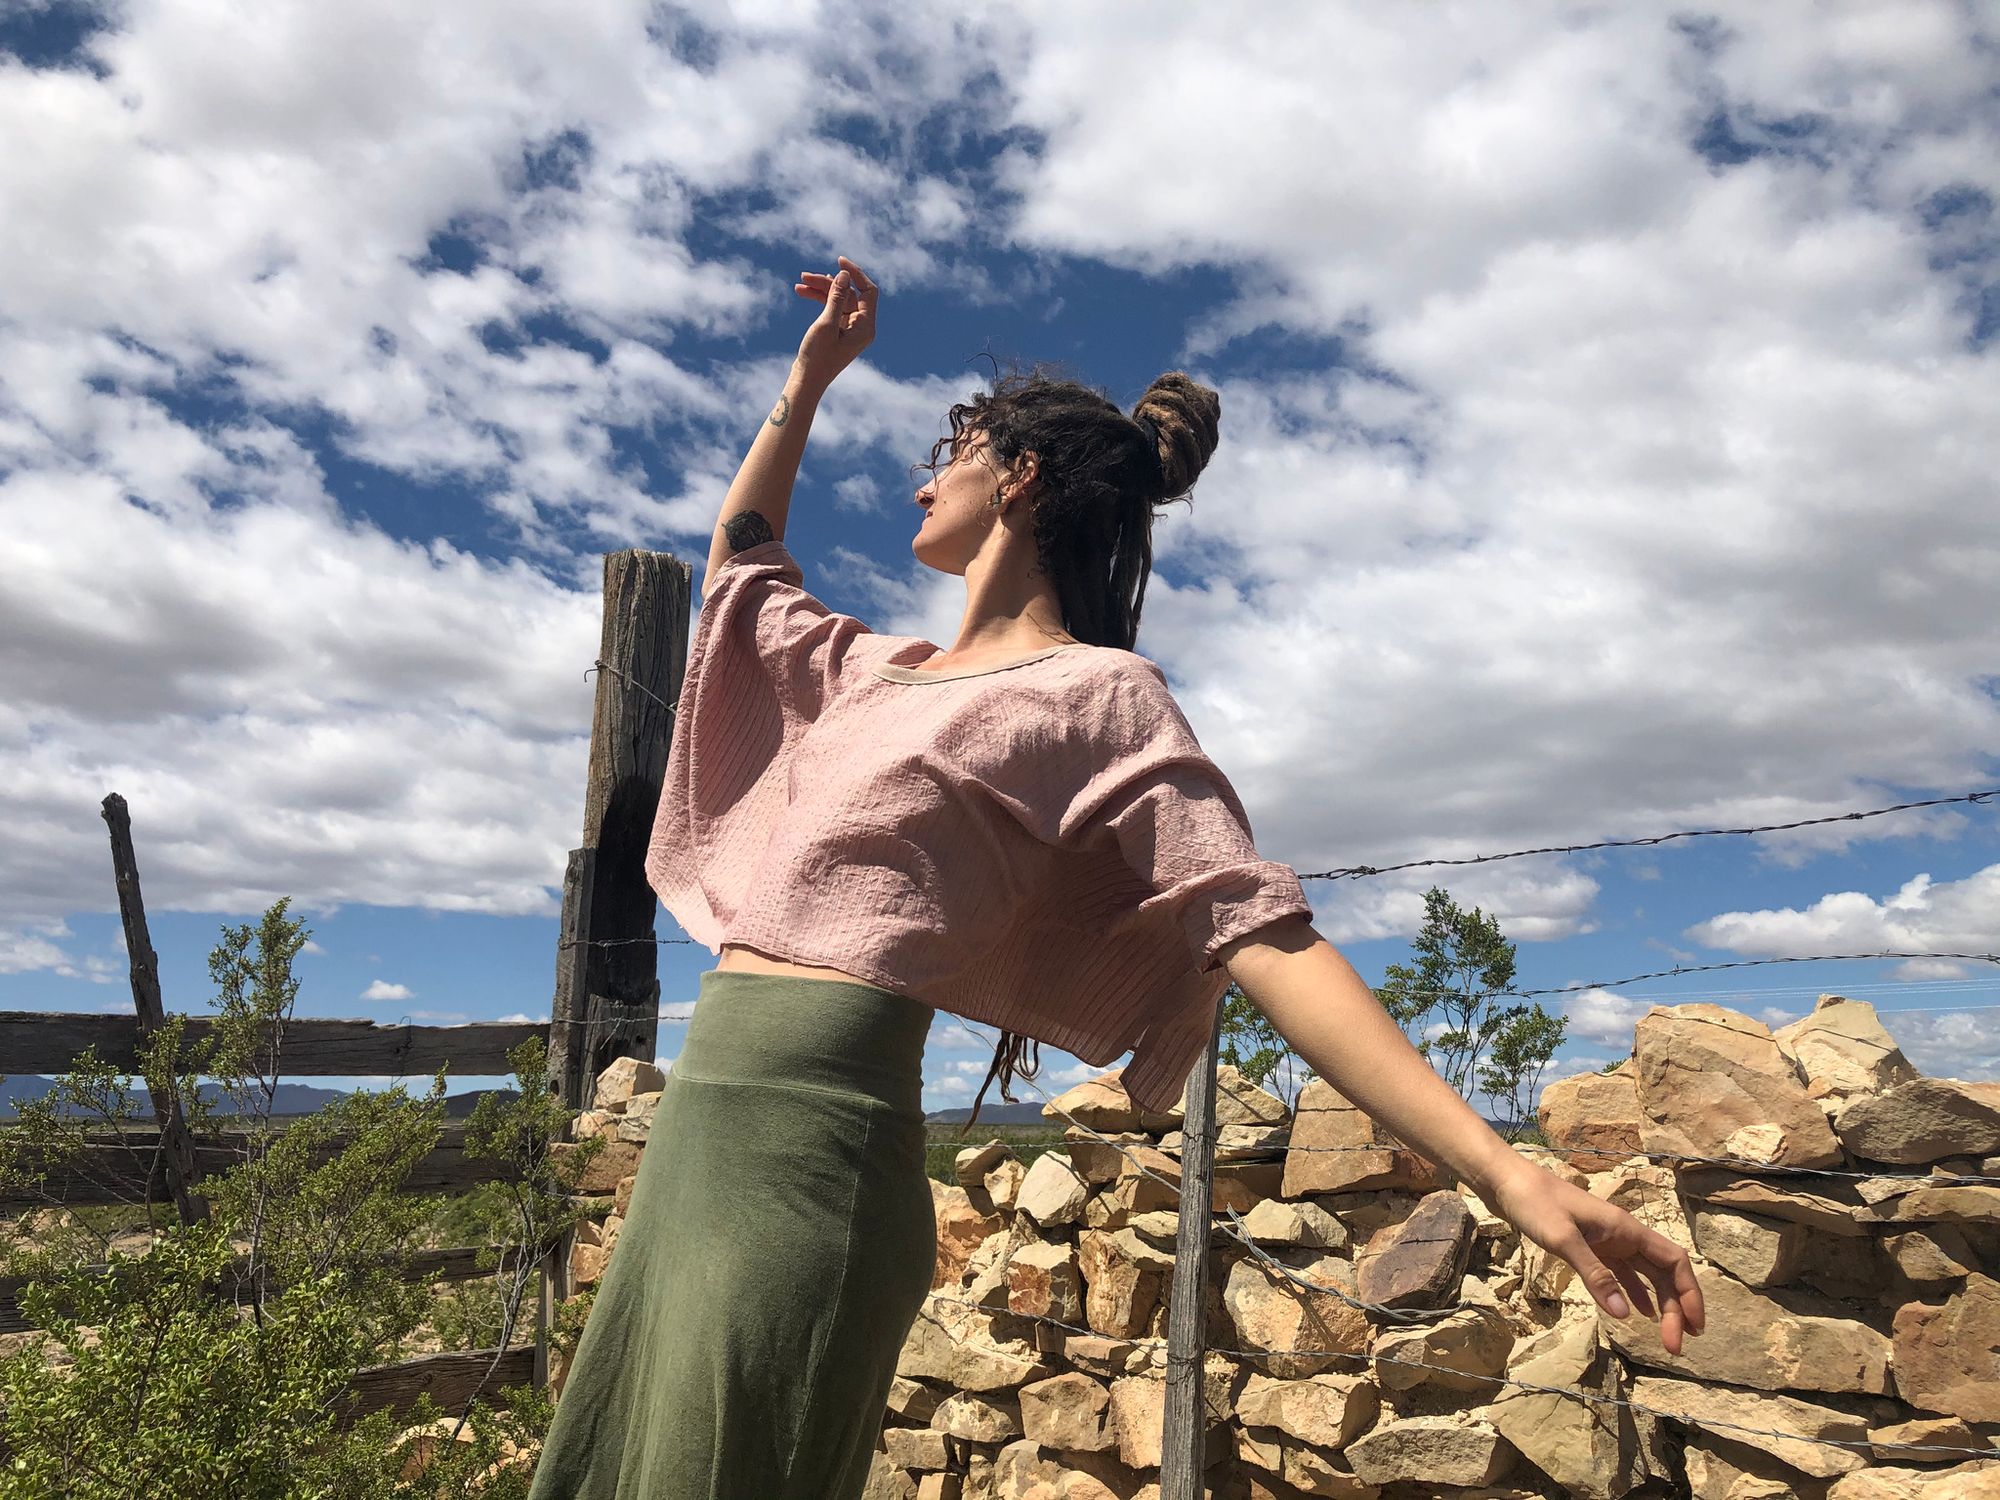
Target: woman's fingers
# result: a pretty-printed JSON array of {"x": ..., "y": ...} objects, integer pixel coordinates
[
  {"x": 860, "y": 277},
  {"x": 1635, "y": 1287},
  {"x": 1598, "y": 1279}
]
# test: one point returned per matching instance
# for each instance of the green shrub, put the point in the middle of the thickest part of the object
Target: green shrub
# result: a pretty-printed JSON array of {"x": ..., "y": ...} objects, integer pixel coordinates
[{"x": 217, "y": 1357}]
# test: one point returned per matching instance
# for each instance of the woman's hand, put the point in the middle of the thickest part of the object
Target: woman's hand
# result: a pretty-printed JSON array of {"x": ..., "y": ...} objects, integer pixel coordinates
[
  {"x": 845, "y": 326},
  {"x": 1609, "y": 1248}
]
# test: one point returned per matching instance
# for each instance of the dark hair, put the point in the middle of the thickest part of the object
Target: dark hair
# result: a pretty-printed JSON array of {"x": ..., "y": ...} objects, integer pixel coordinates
[{"x": 1102, "y": 475}]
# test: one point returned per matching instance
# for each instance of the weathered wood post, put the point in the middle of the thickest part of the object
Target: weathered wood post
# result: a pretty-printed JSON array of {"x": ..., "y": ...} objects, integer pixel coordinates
[
  {"x": 176, "y": 1146},
  {"x": 1184, "y": 1435},
  {"x": 607, "y": 999}
]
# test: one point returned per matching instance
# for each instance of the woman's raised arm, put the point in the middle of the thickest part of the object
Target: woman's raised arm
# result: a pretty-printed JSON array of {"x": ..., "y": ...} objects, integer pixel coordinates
[{"x": 760, "y": 496}]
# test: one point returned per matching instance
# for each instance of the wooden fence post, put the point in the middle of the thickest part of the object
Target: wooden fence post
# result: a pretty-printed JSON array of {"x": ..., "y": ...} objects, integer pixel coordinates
[
  {"x": 607, "y": 1000},
  {"x": 176, "y": 1146},
  {"x": 642, "y": 655},
  {"x": 1184, "y": 1435}
]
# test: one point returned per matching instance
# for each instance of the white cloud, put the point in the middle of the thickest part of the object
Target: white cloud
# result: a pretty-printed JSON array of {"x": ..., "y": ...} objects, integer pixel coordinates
[
  {"x": 1949, "y": 1044},
  {"x": 1956, "y": 916},
  {"x": 1620, "y": 510},
  {"x": 1604, "y": 1019},
  {"x": 382, "y": 989}
]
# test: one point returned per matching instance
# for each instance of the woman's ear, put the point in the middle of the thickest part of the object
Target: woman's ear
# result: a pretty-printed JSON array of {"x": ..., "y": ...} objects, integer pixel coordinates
[{"x": 1027, "y": 470}]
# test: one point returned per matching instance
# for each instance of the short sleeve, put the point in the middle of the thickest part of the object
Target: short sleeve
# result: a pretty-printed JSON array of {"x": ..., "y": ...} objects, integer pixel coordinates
[
  {"x": 1155, "y": 797},
  {"x": 756, "y": 599}
]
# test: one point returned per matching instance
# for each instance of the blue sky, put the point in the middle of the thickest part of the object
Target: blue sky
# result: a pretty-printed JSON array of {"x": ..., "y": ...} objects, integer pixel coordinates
[{"x": 1609, "y": 422}]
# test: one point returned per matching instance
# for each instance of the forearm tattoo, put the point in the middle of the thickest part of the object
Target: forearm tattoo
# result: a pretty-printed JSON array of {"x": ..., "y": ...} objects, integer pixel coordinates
[
  {"x": 782, "y": 412},
  {"x": 745, "y": 530}
]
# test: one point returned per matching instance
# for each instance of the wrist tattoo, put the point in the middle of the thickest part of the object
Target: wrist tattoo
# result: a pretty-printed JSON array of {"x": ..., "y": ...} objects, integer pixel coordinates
[
  {"x": 746, "y": 529},
  {"x": 782, "y": 413}
]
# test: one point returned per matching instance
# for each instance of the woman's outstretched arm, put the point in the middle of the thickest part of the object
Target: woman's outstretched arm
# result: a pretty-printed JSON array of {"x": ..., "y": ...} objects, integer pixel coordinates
[
  {"x": 1333, "y": 1020},
  {"x": 760, "y": 497}
]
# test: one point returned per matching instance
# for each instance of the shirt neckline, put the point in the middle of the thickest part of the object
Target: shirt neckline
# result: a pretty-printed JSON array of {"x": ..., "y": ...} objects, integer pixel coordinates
[{"x": 896, "y": 673}]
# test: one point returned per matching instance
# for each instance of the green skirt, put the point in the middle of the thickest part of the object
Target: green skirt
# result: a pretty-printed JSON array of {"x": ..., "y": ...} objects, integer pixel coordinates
[{"x": 780, "y": 1244}]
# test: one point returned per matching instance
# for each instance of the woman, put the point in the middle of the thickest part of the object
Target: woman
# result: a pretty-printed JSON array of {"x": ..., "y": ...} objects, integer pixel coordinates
[{"x": 1020, "y": 829}]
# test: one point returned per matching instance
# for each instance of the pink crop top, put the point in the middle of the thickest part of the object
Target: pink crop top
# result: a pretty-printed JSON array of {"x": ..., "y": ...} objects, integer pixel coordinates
[{"x": 1041, "y": 846}]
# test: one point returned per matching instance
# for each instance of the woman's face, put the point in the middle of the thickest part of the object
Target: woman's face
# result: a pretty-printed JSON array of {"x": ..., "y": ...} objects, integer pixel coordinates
[{"x": 957, "y": 517}]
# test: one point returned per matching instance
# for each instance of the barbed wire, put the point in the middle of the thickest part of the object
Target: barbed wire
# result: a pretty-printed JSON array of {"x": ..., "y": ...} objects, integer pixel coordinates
[
  {"x": 602, "y": 665},
  {"x": 1570, "y": 1392},
  {"x": 1356, "y": 872},
  {"x": 1740, "y": 963}
]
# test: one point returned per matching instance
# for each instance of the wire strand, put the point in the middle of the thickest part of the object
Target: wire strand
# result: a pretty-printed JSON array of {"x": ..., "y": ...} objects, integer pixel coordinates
[{"x": 1357, "y": 872}]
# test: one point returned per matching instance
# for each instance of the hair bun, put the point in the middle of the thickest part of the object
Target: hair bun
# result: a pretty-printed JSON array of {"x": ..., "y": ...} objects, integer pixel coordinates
[{"x": 1185, "y": 414}]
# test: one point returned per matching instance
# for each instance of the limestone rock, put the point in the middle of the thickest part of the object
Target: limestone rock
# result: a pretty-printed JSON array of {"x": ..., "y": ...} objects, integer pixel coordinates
[
  {"x": 1419, "y": 1262},
  {"x": 1045, "y": 1281},
  {"x": 636, "y": 1123},
  {"x": 1148, "y": 1180},
  {"x": 1844, "y": 1052},
  {"x": 911, "y": 1400},
  {"x": 1650, "y": 1194},
  {"x": 1003, "y": 1184},
  {"x": 978, "y": 1419},
  {"x": 961, "y": 1227},
  {"x": 1974, "y": 1481},
  {"x": 1592, "y": 1118},
  {"x": 1832, "y": 1206},
  {"x": 1305, "y": 1225},
  {"x": 1774, "y": 1341},
  {"x": 1438, "y": 1450},
  {"x": 1300, "y": 1468},
  {"x": 1138, "y": 1416},
  {"x": 1068, "y": 1411},
  {"x": 1240, "y": 1142},
  {"x": 1337, "y": 1148},
  {"x": 625, "y": 1077},
  {"x": 1716, "y": 1410},
  {"x": 1306, "y": 1328},
  {"x": 1713, "y": 1082},
  {"x": 1721, "y": 1469},
  {"x": 1240, "y": 1102},
  {"x": 988, "y": 1357},
  {"x": 1937, "y": 1205},
  {"x": 1937, "y": 1252},
  {"x": 1758, "y": 1252},
  {"x": 591, "y": 1123},
  {"x": 1465, "y": 1351},
  {"x": 1102, "y": 1104},
  {"x": 1329, "y": 1410},
  {"x": 916, "y": 1447},
  {"x": 586, "y": 1263},
  {"x": 1591, "y": 1449},
  {"x": 1099, "y": 1157},
  {"x": 1052, "y": 1193},
  {"x": 886, "y": 1481},
  {"x": 1924, "y": 1120},
  {"x": 1929, "y": 1432},
  {"x": 972, "y": 1163},
  {"x": 927, "y": 1347},
  {"x": 1948, "y": 1356},
  {"x": 1124, "y": 1279},
  {"x": 1105, "y": 1358},
  {"x": 614, "y": 1160}
]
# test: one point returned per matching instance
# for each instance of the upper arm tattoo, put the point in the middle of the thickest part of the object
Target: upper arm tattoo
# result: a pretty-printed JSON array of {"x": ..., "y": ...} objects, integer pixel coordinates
[{"x": 745, "y": 530}]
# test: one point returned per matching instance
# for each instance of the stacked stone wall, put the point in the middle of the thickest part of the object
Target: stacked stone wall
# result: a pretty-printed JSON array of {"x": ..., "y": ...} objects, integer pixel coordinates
[{"x": 1842, "y": 1212}]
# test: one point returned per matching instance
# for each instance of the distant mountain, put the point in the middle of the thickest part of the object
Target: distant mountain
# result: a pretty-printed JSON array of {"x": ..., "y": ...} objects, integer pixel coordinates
[
  {"x": 999, "y": 1114},
  {"x": 291, "y": 1099}
]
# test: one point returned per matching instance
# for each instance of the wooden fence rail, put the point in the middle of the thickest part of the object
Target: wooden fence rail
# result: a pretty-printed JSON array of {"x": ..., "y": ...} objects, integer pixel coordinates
[{"x": 48, "y": 1042}]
